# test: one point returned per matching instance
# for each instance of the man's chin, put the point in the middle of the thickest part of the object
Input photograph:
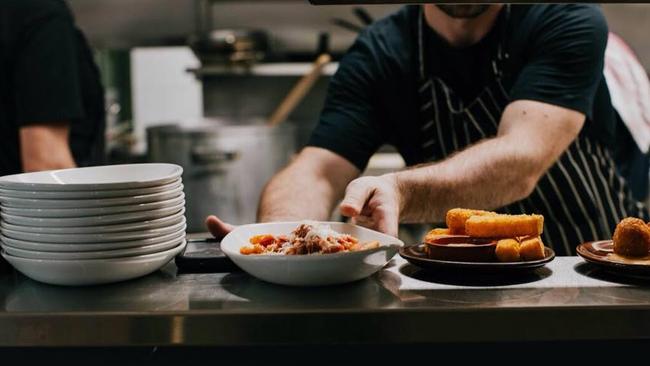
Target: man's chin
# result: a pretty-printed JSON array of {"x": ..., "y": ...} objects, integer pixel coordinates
[{"x": 464, "y": 11}]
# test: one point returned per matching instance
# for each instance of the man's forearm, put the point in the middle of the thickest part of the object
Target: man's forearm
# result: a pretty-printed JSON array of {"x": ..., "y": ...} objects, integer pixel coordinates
[
  {"x": 495, "y": 172},
  {"x": 308, "y": 188},
  {"x": 45, "y": 147},
  {"x": 289, "y": 196},
  {"x": 488, "y": 175}
]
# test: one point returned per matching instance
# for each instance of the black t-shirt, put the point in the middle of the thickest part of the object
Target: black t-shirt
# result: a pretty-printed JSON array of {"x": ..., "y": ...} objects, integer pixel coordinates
[
  {"x": 556, "y": 56},
  {"x": 47, "y": 75},
  {"x": 465, "y": 70}
]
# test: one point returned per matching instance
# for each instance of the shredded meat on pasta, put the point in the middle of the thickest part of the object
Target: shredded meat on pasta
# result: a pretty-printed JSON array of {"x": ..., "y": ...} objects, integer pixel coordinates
[{"x": 307, "y": 238}]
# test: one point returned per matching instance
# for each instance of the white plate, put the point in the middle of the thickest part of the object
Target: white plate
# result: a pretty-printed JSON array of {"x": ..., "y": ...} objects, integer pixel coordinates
[
  {"x": 117, "y": 253},
  {"x": 91, "y": 271},
  {"x": 120, "y": 228},
  {"x": 89, "y": 203},
  {"x": 91, "y": 211},
  {"x": 90, "y": 247},
  {"x": 95, "y": 237},
  {"x": 129, "y": 217},
  {"x": 310, "y": 270},
  {"x": 65, "y": 195},
  {"x": 94, "y": 178}
]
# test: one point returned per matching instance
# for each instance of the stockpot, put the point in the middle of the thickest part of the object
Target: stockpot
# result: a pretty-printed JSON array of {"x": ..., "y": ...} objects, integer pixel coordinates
[{"x": 226, "y": 164}]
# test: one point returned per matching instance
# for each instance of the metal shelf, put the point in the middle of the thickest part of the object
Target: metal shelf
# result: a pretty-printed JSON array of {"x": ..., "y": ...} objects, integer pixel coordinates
[{"x": 268, "y": 69}]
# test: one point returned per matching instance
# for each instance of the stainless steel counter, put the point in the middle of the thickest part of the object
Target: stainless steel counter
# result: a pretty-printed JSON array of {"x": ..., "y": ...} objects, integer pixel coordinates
[{"x": 567, "y": 300}]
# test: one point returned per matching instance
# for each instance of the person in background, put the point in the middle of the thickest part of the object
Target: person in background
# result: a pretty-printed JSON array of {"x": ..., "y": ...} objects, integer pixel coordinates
[
  {"x": 629, "y": 87},
  {"x": 493, "y": 106},
  {"x": 51, "y": 98}
]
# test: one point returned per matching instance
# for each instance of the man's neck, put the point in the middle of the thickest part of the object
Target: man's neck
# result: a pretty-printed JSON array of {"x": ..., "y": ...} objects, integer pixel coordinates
[{"x": 461, "y": 32}]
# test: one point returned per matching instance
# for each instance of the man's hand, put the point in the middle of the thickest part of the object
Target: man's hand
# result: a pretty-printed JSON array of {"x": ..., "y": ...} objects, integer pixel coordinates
[
  {"x": 373, "y": 202},
  {"x": 218, "y": 228},
  {"x": 45, "y": 147}
]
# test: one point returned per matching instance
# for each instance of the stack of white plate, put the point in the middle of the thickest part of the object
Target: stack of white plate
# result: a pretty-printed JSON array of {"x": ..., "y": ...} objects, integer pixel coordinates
[{"x": 92, "y": 225}]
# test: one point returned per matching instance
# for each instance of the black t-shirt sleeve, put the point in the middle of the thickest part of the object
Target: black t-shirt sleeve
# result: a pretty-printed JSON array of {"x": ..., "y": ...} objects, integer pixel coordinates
[
  {"x": 350, "y": 123},
  {"x": 565, "y": 59},
  {"x": 46, "y": 80}
]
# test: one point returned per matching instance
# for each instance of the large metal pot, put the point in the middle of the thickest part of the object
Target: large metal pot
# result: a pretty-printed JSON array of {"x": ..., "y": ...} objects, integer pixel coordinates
[{"x": 225, "y": 165}]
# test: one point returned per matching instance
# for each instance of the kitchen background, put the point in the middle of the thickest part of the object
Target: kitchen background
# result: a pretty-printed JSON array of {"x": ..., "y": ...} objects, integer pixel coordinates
[{"x": 168, "y": 103}]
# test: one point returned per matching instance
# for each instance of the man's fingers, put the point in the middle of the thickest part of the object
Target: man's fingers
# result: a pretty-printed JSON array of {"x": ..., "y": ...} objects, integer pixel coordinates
[
  {"x": 387, "y": 223},
  {"x": 366, "y": 211},
  {"x": 217, "y": 228},
  {"x": 362, "y": 220},
  {"x": 380, "y": 221},
  {"x": 356, "y": 195}
]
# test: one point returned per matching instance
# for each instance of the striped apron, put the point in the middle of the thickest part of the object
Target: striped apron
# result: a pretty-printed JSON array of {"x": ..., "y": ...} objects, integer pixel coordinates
[{"x": 582, "y": 196}]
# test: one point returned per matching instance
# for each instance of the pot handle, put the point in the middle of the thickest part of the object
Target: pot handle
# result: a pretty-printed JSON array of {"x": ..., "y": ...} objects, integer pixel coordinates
[{"x": 208, "y": 155}]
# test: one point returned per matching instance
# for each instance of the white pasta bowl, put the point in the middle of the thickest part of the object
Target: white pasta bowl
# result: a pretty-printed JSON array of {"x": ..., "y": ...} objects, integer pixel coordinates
[
  {"x": 92, "y": 211},
  {"x": 37, "y": 203},
  {"x": 89, "y": 195},
  {"x": 142, "y": 225},
  {"x": 90, "y": 247},
  {"x": 313, "y": 269},
  {"x": 105, "y": 219},
  {"x": 97, "y": 237},
  {"x": 99, "y": 254},
  {"x": 109, "y": 177},
  {"x": 91, "y": 271}
]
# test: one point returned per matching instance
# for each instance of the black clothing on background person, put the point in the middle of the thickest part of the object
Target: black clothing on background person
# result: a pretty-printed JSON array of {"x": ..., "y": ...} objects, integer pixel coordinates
[
  {"x": 47, "y": 75},
  {"x": 402, "y": 84}
]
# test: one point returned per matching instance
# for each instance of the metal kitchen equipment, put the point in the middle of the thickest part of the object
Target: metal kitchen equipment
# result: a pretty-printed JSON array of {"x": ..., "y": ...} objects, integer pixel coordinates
[
  {"x": 226, "y": 164},
  {"x": 234, "y": 46},
  {"x": 230, "y": 46}
]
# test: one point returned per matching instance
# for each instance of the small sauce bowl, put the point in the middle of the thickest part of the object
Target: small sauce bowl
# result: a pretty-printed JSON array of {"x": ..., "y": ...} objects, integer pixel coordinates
[{"x": 461, "y": 248}]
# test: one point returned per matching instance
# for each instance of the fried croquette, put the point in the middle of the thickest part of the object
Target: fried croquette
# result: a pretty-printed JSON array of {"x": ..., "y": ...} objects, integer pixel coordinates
[
  {"x": 632, "y": 238},
  {"x": 507, "y": 250},
  {"x": 431, "y": 235},
  {"x": 532, "y": 249},
  {"x": 504, "y": 226},
  {"x": 456, "y": 218}
]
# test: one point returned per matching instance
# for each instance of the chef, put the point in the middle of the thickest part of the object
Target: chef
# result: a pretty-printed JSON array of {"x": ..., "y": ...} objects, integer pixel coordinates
[
  {"x": 51, "y": 99},
  {"x": 497, "y": 107}
]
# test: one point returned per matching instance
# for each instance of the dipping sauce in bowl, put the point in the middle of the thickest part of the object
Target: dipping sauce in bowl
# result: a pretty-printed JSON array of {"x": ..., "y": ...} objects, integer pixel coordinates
[{"x": 461, "y": 248}]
